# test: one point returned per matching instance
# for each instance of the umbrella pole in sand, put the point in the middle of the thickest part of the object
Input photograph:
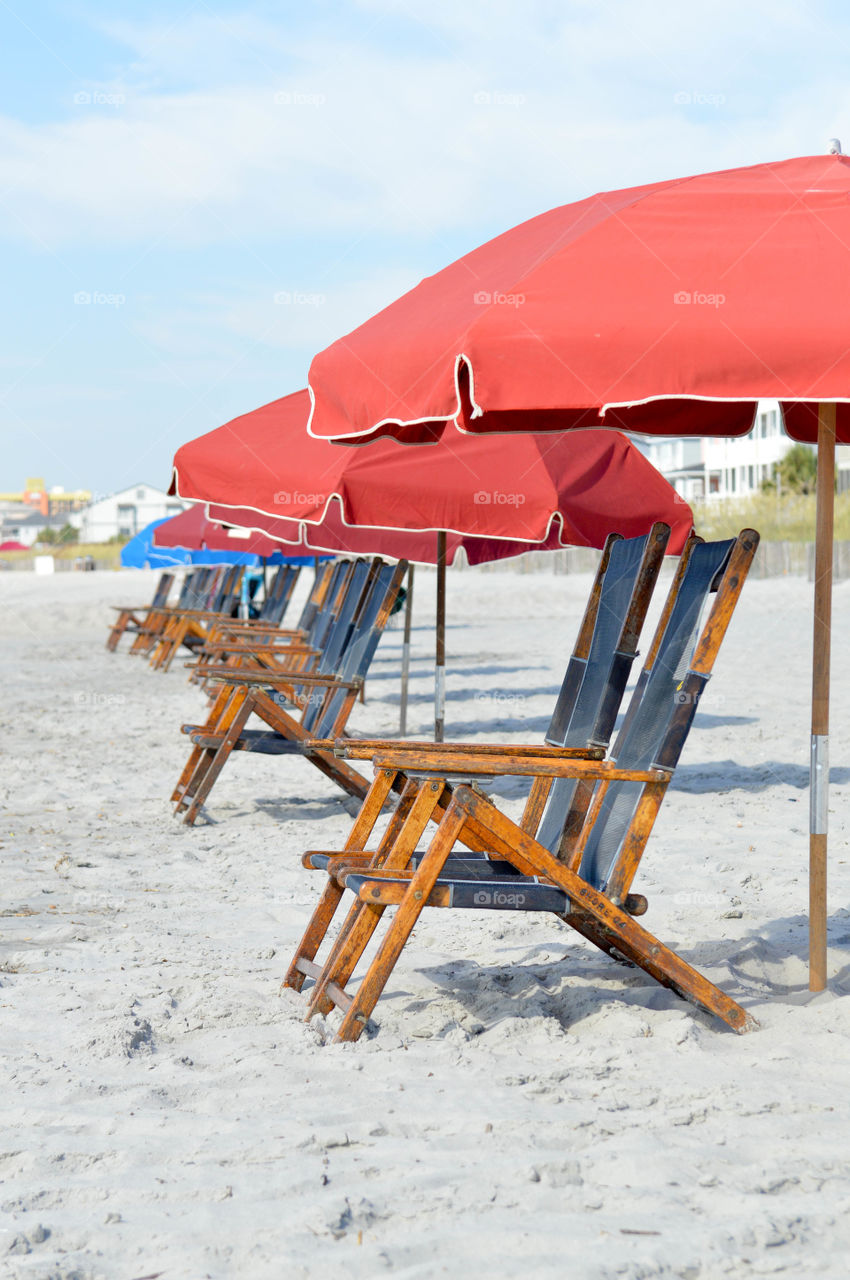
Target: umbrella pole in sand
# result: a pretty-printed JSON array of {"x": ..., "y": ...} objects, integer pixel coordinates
[
  {"x": 819, "y": 769},
  {"x": 440, "y": 668},
  {"x": 405, "y": 654}
]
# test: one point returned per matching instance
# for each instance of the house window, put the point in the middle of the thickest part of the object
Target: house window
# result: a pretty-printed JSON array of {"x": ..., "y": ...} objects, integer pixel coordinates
[
  {"x": 752, "y": 477},
  {"x": 140, "y": 495},
  {"x": 126, "y": 520},
  {"x": 714, "y": 482}
]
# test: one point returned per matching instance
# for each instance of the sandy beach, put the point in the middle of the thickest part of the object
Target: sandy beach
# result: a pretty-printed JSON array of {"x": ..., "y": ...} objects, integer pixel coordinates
[{"x": 523, "y": 1106}]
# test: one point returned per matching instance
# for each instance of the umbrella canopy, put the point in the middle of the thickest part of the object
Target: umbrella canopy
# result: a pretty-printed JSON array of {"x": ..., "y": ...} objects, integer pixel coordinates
[
  {"x": 140, "y": 553},
  {"x": 668, "y": 309},
  {"x": 665, "y": 309},
  {"x": 13, "y": 546},
  {"x": 211, "y": 543},
  {"x": 263, "y": 471}
]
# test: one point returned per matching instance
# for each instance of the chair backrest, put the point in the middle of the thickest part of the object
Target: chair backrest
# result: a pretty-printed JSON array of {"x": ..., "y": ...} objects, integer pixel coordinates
[
  {"x": 225, "y": 597},
  {"x": 279, "y": 594},
  {"x": 163, "y": 587},
  {"x": 337, "y": 637},
  {"x": 599, "y": 668},
  {"x": 322, "y": 586},
  {"x": 369, "y": 625},
  {"x": 665, "y": 700},
  {"x": 191, "y": 589},
  {"x": 204, "y": 586},
  {"x": 325, "y": 616}
]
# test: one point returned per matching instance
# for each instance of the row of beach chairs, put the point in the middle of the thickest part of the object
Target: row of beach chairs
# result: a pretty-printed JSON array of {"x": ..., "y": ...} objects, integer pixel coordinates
[{"x": 426, "y": 834}]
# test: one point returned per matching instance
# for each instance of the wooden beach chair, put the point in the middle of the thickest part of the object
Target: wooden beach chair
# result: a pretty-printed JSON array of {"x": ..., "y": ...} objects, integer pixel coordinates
[
  {"x": 582, "y": 872},
  {"x": 132, "y": 617},
  {"x": 287, "y": 652},
  {"x": 320, "y": 700},
  {"x": 583, "y": 720},
  {"x": 234, "y": 641},
  {"x": 189, "y": 628},
  {"x": 149, "y": 631},
  {"x": 275, "y": 649}
]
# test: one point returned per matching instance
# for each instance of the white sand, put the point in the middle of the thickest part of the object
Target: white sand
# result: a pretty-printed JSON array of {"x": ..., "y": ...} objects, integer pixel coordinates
[{"x": 525, "y": 1107}]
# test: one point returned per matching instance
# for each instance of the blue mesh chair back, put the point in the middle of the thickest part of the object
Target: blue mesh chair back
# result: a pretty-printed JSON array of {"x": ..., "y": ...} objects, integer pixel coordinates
[
  {"x": 361, "y": 648},
  {"x": 651, "y": 711},
  {"x": 192, "y": 590},
  {"x": 163, "y": 587},
  {"x": 577, "y": 719}
]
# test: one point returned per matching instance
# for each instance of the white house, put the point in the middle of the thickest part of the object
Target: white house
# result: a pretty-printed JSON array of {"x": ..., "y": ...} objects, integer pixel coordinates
[
  {"x": 125, "y": 513},
  {"x": 716, "y": 467},
  {"x": 27, "y": 528}
]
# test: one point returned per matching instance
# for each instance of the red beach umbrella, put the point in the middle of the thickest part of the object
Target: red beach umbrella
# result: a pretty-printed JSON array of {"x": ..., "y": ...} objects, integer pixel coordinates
[
  {"x": 530, "y": 492},
  {"x": 194, "y": 530},
  {"x": 529, "y": 489},
  {"x": 668, "y": 309}
]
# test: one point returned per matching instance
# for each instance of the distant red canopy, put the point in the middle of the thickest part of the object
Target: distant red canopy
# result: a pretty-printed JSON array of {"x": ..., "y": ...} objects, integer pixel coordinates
[{"x": 194, "y": 531}]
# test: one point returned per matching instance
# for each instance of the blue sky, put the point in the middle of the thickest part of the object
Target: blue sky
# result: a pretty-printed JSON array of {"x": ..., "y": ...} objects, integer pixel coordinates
[{"x": 195, "y": 197}]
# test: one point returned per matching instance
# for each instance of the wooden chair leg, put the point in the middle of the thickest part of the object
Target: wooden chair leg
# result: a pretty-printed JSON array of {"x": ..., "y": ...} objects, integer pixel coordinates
[
  {"x": 218, "y": 761},
  {"x": 332, "y": 895},
  {"x": 176, "y": 641},
  {"x": 406, "y": 915},
  {"x": 118, "y": 629},
  {"x": 212, "y": 721},
  {"x": 604, "y": 918},
  {"x": 301, "y": 963},
  {"x": 621, "y": 932},
  {"x": 363, "y": 918}
]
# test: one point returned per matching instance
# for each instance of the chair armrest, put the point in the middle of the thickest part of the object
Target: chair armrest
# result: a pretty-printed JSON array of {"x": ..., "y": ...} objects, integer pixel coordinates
[
  {"x": 555, "y": 765},
  {"x": 367, "y": 748}
]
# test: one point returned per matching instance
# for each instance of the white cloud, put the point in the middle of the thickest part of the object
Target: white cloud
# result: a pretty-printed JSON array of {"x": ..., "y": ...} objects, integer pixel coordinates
[{"x": 363, "y": 138}]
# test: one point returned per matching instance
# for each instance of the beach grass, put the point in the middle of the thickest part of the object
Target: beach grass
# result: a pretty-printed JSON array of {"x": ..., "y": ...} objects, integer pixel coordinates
[
  {"x": 101, "y": 551},
  {"x": 789, "y": 518}
]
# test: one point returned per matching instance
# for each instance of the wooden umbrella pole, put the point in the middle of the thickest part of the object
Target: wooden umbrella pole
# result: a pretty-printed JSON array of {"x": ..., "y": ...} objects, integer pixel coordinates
[
  {"x": 819, "y": 775},
  {"x": 440, "y": 668},
  {"x": 405, "y": 654}
]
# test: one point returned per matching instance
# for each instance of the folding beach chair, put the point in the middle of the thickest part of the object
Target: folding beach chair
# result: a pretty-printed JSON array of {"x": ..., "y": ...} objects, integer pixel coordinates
[
  {"x": 321, "y": 699},
  {"x": 235, "y": 641},
  {"x": 275, "y": 648},
  {"x": 153, "y": 625},
  {"x": 189, "y": 627},
  {"x": 581, "y": 873},
  {"x": 583, "y": 721},
  {"x": 133, "y": 617}
]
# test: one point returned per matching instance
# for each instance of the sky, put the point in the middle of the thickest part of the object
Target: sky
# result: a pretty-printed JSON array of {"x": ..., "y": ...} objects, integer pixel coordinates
[{"x": 197, "y": 197}]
